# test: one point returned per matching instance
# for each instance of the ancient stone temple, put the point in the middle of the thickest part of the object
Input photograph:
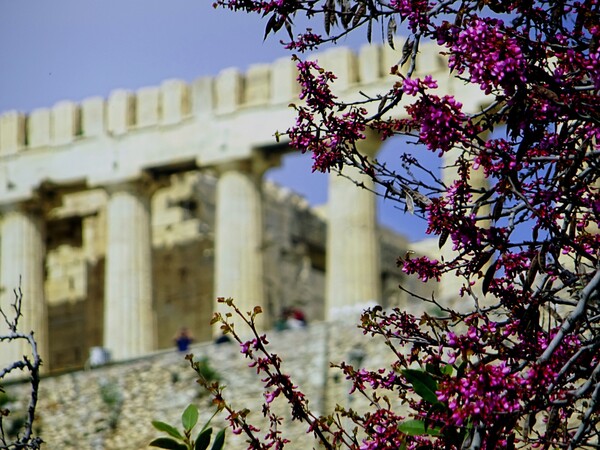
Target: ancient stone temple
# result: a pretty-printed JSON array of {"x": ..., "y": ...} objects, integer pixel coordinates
[{"x": 124, "y": 218}]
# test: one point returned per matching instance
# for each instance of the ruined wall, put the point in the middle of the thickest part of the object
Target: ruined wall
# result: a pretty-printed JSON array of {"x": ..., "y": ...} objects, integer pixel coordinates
[{"x": 111, "y": 407}]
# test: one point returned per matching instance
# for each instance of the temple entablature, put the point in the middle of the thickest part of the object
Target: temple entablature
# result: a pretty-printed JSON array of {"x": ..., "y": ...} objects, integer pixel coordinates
[
  {"x": 176, "y": 124},
  {"x": 254, "y": 103}
]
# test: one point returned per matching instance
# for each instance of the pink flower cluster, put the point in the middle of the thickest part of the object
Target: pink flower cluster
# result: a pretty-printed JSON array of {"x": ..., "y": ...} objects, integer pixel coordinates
[
  {"x": 412, "y": 86},
  {"x": 416, "y": 11},
  {"x": 492, "y": 59},
  {"x": 495, "y": 158},
  {"x": 483, "y": 394},
  {"x": 305, "y": 41},
  {"x": 382, "y": 431},
  {"x": 424, "y": 267},
  {"x": 337, "y": 132},
  {"x": 440, "y": 121},
  {"x": 314, "y": 82}
]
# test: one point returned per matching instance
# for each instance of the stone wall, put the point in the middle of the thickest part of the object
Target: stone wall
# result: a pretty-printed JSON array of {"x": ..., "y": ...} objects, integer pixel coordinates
[{"x": 112, "y": 407}]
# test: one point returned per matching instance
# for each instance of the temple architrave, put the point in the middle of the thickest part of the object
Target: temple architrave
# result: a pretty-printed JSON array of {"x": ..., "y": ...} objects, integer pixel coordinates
[{"x": 123, "y": 219}]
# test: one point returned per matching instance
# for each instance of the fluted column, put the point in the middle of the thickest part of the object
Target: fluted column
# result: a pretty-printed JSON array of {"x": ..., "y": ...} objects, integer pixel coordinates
[
  {"x": 239, "y": 239},
  {"x": 22, "y": 253},
  {"x": 129, "y": 320},
  {"x": 353, "y": 274}
]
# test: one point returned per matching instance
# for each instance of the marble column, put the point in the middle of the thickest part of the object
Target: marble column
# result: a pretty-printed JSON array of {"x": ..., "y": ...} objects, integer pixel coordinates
[
  {"x": 129, "y": 320},
  {"x": 239, "y": 240},
  {"x": 22, "y": 254},
  {"x": 353, "y": 273}
]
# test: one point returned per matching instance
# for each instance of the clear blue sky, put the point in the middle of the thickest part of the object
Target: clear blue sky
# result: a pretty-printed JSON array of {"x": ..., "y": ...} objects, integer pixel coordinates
[{"x": 51, "y": 50}]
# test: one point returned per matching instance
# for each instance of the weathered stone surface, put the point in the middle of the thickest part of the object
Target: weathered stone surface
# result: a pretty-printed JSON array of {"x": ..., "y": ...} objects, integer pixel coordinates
[
  {"x": 129, "y": 321},
  {"x": 175, "y": 98},
  {"x": 239, "y": 255},
  {"x": 258, "y": 85},
  {"x": 92, "y": 117},
  {"x": 65, "y": 122},
  {"x": 202, "y": 96},
  {"x": 147, "y": 110},
  {"x": 229, "y": 85},
  {"x": 112, "y": 407},
  {"x": 38, "y": 127},
  {"x": 284, "y": 85},
  {"x": 12, "y": 132},
  {"x": 121, "y": 112},
  {"x": 352, "y": 238}
]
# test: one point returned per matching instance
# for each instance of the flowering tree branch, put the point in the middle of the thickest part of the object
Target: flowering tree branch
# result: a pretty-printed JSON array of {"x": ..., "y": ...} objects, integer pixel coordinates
[
  {"x": 276, "y": 384},
  {"x": 31, "y": 365},
  {"x": 516, "y": 212}
]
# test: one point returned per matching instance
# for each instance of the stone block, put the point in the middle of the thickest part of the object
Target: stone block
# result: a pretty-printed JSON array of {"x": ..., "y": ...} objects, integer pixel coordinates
[
  {"x": 342, "y": 62},
  {"x": 94, "y": 238},
  {"x": 258, "y": 85},
  {"x": 187, "y": 230},
  {"x": 38, "y": 128},
  {"x": 57, "y": 290},
  {"x": 229, "y": 86},
  {"x": 429, "y": 60},
  {"x": 78, "y": 286},
  {"x": 147, "y": 106},
  {"x": 284, "y": 81},
  {"x": 78, "y": 269},
  {"x": 65, "y": 122},
  {"x": 92, "y": 116},
  {"x": 12, "y": 132},
  {"x": 168, "y": 216},
  {"x": 203, "y": 96},
  {"x": 369, "y": 67},
  {"x": 175, "y": 96},
  {"x": 54, "y": 268},
  {"x": 121, "y": 112}
]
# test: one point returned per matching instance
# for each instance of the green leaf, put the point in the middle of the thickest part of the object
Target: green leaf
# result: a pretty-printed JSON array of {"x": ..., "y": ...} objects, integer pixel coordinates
[
  {"x": 189, "y": 418},
  {"x": 417, "y": 428},
  {"x": 203, "y": 439},
  {"x": 422, "y": 376},
  {"x": 447, "y": 369},
  {"x": 166, "y": 428},
  {"x": 219, "y": 441},
  {"x": 423, "y": 384},
  {"x": 168, "y": 443}
]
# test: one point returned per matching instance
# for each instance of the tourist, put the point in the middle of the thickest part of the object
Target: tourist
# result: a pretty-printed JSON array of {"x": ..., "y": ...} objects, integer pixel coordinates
[{"x": 183, "y": 340}]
